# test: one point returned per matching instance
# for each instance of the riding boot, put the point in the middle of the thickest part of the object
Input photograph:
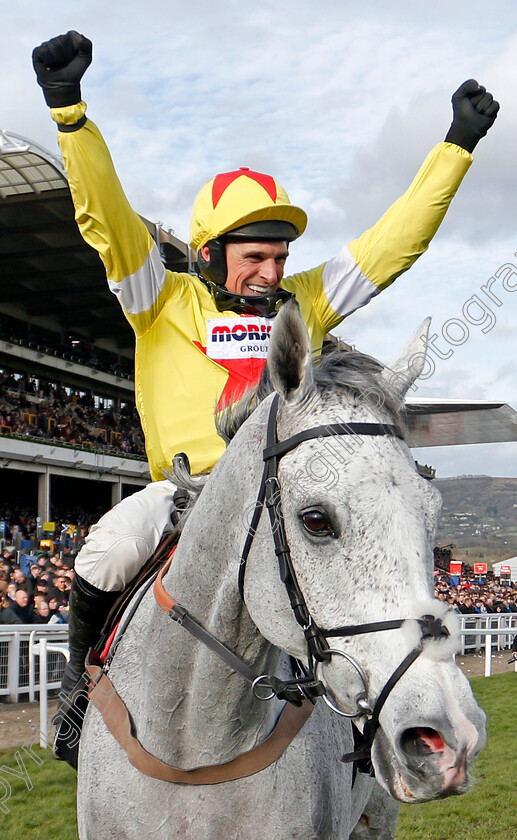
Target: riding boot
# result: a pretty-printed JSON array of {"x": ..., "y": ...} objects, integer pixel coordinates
[{"x": 89, "y": 608}]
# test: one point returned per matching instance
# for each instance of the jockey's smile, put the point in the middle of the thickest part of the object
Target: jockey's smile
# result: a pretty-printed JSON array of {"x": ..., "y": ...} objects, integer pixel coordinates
[{"x": 254, "y": 268}]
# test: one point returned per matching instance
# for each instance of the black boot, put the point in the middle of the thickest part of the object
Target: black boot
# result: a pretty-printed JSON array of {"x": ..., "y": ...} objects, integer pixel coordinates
[{"x": 89, "y": 608}]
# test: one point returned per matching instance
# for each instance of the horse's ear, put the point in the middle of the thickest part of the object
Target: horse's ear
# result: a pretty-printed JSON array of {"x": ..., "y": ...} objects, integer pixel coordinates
[
  {"x": 405, "y": 368},
  {"x": 290, "y": 354}
]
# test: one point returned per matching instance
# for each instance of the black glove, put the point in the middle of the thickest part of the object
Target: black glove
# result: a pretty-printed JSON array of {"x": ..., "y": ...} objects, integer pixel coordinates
[
  {"x": 60, "y": 64},
  {"x": 474, "y": 113}
]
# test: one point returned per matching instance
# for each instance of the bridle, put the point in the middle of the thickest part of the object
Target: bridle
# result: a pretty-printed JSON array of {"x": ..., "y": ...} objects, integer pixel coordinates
[
  {"x": 270, "y": 495},
  {"x": 306, "y": 684}
]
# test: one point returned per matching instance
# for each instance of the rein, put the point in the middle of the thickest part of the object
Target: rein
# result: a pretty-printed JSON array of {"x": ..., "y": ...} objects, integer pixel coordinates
[
  {"x": 300, "y": 693},
  {"x": 295, "y": 691}
]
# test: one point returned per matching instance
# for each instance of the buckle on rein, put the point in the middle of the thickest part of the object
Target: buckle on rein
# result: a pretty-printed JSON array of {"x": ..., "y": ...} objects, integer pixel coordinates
[{"x": 292, "y": 691}]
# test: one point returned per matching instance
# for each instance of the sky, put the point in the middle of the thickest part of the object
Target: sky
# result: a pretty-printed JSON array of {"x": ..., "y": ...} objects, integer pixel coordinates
[{"x": 341, "y": 102}]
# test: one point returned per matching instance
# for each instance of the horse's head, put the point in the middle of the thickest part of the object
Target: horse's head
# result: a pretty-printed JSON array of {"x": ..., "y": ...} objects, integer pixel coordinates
[{"x": 359, "y": 523}]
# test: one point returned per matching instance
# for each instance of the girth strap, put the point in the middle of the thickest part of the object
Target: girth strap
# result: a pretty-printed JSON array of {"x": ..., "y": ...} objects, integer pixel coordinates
[{"x": 118, "y": 720}]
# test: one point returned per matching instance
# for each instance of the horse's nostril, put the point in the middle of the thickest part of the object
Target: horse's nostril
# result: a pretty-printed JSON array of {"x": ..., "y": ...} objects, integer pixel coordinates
[{"x": 421, "y": 741}]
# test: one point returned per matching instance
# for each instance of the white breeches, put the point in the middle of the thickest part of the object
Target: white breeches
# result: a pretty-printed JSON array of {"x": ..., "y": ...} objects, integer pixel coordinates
[{"x": 126, "y": 537}]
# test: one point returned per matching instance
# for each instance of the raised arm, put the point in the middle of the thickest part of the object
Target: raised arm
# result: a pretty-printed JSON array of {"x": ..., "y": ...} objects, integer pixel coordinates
[
  {"x": 373, "y": 261},
  {"x": 134, "y": 269}
]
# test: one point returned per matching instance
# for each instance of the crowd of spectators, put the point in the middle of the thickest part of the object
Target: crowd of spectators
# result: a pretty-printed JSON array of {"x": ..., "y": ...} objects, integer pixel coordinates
[
  {"x": 37, "y": 590},
  {"x": 22, "y": 520},
  {"x": 38, "y": 411},
  {"x": 34, "y": 588},
  {"x": 67, "y": 347},
  {"x": 475, "y": 595}
]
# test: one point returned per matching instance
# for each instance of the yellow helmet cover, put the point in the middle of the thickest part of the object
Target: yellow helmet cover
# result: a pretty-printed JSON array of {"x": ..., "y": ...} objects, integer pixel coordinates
[{"x": 233, "y": 199}]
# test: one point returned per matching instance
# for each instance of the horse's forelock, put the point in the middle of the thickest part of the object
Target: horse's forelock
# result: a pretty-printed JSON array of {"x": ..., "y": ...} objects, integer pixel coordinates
[{"x": 341, "y": 370}]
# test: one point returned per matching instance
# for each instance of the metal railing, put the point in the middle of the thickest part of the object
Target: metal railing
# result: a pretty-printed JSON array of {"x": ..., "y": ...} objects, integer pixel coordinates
[
  {"x": 478, "y": 631},
  {"x": 19, "y": 671},
  {"x": 41, "y": 648}
]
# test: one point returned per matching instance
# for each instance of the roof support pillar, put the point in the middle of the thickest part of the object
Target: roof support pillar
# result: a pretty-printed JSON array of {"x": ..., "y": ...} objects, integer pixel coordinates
[
  {"x": 44, "y": 495},
  {"x": 116, "y": 492}
]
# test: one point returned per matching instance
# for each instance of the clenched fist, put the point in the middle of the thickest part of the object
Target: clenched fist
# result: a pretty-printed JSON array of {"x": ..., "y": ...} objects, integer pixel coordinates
[
  {"x": 60, "y": 65},
  {"x": 474, "y": 113}
]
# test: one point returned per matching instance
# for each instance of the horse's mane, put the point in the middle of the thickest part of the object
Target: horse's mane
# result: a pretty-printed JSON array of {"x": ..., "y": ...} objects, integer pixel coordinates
[{"x": 341, "y": 370}]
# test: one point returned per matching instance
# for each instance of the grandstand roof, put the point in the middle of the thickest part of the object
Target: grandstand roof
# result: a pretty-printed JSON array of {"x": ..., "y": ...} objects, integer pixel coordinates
[{"x": 48, "y": 275}]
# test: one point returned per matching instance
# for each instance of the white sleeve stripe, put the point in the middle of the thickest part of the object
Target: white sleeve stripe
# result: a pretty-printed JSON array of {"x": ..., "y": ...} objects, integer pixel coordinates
[
  {"x": 345, "y": 285},
  {"x": 137, "y": 292}
]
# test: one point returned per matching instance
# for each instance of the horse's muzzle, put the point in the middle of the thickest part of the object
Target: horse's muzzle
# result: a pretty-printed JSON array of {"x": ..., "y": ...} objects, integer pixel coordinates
[
  {"x": 431, "y": 762},
  {"x": 423, "y": 766}
]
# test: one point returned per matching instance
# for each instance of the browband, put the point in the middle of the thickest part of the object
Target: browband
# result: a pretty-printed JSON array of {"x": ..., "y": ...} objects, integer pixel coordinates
[{"x": 276, "y": 450}]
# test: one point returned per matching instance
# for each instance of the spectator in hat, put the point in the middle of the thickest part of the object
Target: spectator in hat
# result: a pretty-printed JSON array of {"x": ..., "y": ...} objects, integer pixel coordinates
[
  {"x": 55, "y": 609},
  {"x": 60, "y": 595},
  {"x": 35, "y": 572}
]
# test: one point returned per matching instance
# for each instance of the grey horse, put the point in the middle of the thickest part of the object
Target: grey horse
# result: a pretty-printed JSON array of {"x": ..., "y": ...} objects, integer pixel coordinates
[{"x": 359, "y": 523}]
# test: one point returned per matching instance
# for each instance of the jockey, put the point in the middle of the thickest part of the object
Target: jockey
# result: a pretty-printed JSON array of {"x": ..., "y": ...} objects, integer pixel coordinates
[{"x": 201, "y": 341}]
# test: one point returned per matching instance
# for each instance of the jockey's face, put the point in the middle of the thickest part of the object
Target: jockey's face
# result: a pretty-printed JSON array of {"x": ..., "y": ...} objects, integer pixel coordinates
[{"x": 254, "y": 268}]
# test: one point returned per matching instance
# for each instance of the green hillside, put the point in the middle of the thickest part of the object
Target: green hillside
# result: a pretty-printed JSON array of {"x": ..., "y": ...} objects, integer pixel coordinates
[{"x": 479, "y": 516}]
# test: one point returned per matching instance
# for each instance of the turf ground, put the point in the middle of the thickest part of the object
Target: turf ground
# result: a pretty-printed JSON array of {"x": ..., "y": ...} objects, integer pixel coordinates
[{"x": 37, "y": 794}]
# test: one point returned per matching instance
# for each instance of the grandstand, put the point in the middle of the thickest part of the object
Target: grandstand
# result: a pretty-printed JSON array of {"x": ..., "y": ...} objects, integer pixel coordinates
[{"x": 64, "y": 343}]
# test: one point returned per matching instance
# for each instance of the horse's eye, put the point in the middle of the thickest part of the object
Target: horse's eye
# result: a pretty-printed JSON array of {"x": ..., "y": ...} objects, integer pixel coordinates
[{"x": 316, "y": 522}]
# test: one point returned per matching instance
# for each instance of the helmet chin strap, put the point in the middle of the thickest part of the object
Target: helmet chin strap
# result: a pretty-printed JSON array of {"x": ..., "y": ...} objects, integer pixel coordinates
[{"x": 261, "y": 305}]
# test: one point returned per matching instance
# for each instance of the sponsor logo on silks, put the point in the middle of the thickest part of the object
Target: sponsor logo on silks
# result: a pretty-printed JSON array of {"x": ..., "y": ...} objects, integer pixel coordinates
[{"x": 238, "y": 338}]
